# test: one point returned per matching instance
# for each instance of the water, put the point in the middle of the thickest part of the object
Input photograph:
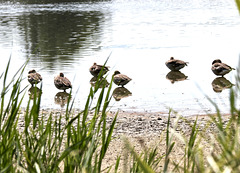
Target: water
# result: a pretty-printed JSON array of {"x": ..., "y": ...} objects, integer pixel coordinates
[{"x": 140, "y": 36}]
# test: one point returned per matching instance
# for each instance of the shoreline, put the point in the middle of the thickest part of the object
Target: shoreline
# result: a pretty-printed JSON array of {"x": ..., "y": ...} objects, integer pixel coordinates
[
  {"x": 132, "y": 123},
  {"x": 146, "y": 131}
]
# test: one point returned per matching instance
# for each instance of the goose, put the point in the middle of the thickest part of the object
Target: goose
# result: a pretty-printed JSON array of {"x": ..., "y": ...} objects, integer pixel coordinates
[
  {"x": 34, "y": 77},
  {"x": 175, "y": 64},
  {"x": 120, "y": 79},
  {"x": 62, "y": 83},
  {"x": 219, "y": 68},
  {"x": 95, "y": 69}
]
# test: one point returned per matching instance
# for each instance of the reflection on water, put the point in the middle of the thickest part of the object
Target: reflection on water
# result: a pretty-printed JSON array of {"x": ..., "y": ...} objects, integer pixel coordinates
[
  {"x": 175, "y": 76},
  {"x": 61, "y": 98},
  {"x": 121, "y": 92},
  {"x": 51, "y": 1},
  {"x": 102, "y": 82},
  {"x": 221, "y": 83},
  {"x": 68, "y": 37},
  {"x": 34, "y": 91},
  {"x": 50, "y": 34},
  {"x": 55, "y": 36}
]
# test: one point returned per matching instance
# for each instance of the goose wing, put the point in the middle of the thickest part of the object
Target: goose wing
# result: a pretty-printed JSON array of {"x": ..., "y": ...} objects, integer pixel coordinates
[
  {"x": 227, "y": 66},
  {"x": 34, "y": 77},
  {"x": 66, "y": 82},
  {"x": 120, "y": 78}
]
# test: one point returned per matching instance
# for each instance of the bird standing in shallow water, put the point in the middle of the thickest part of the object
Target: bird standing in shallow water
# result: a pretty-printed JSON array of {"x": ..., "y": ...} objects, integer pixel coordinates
[
  {"x": 62, "y": 82},
  {"x": 120, "y": 79},
  {"x": 175, "y": 64},
  {"x": 96, "y": 69},
  {"x": 219, "y": 68},
  {"x": 34, "y": 77}
]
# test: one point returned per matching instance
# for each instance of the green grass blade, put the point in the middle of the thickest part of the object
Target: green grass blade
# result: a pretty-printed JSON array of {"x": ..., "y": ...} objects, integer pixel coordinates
[
  {"x": 238, "y": 4},
  {"x": 117, "y": 164},
  {"x": 144, "y": 166}
]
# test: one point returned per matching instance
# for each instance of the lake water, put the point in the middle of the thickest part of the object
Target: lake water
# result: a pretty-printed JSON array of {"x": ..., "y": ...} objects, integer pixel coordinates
[{"x": 140, "y": 36}]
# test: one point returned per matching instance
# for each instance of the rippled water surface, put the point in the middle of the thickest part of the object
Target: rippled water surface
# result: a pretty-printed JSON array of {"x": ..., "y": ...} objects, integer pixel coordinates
[{"x": 140, "y": 36}]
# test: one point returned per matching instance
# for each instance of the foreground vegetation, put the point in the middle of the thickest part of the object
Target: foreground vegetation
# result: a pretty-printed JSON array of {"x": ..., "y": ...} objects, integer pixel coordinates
[{"x": 59, "y": 144}]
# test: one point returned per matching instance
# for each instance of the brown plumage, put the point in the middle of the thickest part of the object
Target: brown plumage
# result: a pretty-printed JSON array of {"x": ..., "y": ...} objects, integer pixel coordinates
[
  {"x": 120, "y": 92},
  {"x": 175, "y": 76},
  {"x": 175, "y": 64},
  {"x": 96, "y": 69},
  {"x": 34, "y": 77},
  {"x": 62, "y": 82},
  {"x": 221, "y": 83},
  {"x": 219, "y": 68},
  {"x": 120, "y": 79}
]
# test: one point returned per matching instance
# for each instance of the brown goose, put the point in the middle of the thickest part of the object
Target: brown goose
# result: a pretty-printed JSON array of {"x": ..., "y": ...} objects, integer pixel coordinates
[
  {"x": 96, "y": 69},
  {"x": 219, "y": 68},
  {"x": 120, "y": 79},
  {"x": 62, "y": 82},
  {"x": 175, "y": 64},
  {"x": 34, "y": 77}
]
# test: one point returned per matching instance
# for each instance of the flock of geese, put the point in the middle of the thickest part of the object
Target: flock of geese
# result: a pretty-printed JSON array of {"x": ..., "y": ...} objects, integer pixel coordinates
[
  {"x": 63, "y": 83},
  {"x": 218, "y": 68}
]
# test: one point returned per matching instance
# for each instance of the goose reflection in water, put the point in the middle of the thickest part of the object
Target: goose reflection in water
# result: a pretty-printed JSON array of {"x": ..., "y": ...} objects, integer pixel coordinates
[
  {"x": 221, "y": 83},
  {"x": 175, "y": 76},
  {"x": 121, "y": 92},
  {"x": 102, "y": 82},
  {"x": 34, "y": 91},
  {"x": 61, "y": 98}
]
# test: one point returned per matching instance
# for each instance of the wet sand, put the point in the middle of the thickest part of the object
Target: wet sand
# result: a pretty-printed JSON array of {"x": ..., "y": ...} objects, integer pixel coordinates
[{"x": 146, "y": 130}]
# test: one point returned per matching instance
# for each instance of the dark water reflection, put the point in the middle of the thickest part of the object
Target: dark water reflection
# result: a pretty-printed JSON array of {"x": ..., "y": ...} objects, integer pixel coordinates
[
  {"x": 175, "y": 76},
  {"x": 221, "y": 83},
  {"x": 53, "y": 1},
  {"x": 102, "y": 82},
  {"x": 56, "y": 36},
  {"x": 68, "y": 36},
  {"x": 61, "y": 98},
  {"x": 121, "y": 92},
  {"x": 34, "y": 92}
]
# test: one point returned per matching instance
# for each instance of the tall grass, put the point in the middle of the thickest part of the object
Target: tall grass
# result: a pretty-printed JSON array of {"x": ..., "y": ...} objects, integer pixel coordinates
[
  {"x": 9, "y": 119},
  {"x": 67, "y": 143},
  {"x": 238, "y": 4}
]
